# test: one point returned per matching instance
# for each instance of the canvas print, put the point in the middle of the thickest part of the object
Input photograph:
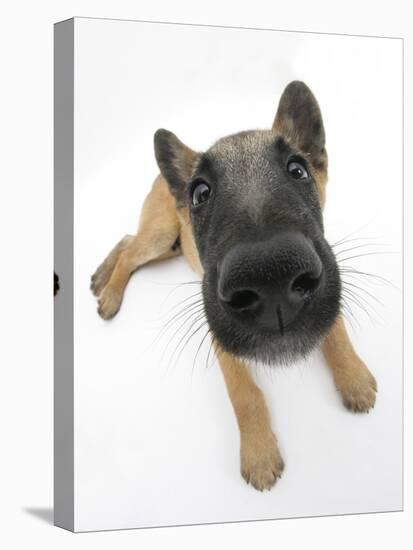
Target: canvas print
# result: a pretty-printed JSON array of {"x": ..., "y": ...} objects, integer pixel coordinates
[{"x": 228, "y": 274}]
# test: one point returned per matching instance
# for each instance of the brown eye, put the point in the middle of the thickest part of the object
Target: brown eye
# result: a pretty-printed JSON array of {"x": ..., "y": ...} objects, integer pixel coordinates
[
  {"x": 297, "y": 170},
  {"x": 200, "y": 192}
]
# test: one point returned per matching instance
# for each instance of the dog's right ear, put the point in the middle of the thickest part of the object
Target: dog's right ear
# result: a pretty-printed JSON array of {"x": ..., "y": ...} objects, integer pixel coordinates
[
  {"x": 176, "y": 162},
  {"x": 299, "y": 120}
]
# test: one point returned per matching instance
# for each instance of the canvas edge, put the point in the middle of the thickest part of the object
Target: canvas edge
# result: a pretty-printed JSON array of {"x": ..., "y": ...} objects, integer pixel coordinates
[{"x": 63, "y": 264}]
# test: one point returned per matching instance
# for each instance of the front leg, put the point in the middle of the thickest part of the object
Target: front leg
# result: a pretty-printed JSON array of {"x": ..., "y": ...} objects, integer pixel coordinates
[
  {"x": 351, "y": 376},
  {"x": 156, "y": 240},
  {"x": 261, "y": 462}
]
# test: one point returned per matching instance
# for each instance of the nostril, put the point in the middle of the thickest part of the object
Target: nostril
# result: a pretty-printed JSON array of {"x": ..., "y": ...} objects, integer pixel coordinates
[
  {"x": 243, "y": 299},
  {"x": 305, "y": 285}
]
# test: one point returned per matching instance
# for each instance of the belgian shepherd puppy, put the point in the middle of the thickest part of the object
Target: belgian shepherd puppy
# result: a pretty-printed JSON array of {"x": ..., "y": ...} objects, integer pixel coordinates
[{"x": 247, "y": 216}]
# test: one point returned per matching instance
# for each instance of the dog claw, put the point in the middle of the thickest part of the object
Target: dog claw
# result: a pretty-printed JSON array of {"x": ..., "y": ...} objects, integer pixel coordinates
[
  {"x": 261, "y": 466},
  {"x": 109, "y": 303}
]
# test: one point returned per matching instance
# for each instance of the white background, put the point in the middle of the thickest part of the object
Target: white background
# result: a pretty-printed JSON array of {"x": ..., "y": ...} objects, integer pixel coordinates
[
  {"x": 156, "y": 441},
  {"x": 26, "y": 391}
]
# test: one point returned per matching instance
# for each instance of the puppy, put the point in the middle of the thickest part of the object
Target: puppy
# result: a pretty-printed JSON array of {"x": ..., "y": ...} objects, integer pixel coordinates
[{"x": 247, "y": 216}]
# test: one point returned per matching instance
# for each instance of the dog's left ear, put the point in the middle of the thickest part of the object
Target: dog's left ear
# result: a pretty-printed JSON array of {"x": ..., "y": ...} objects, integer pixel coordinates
[
  {"x": 299, "y": 120},
  {"x": 176, "y": 162}
]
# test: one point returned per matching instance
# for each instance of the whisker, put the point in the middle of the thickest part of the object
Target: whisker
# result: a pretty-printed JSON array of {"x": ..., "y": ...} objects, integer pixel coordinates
[
  {"x": 177, "y": 285},
  {"x": 189, "y": 308},
  {"x": 378, "y": 253},
  {"x": 350, "y": 271},
  {"x": 200, "y": 345},
  {"x": 363, "y": 290},
  {"x": 187, "y": 319},
  {"x": 354, "y": 239},
  {"x": 352, "y": 233},
  {"x": 180, "y": 351},
  {"x": 363, "y": 302},
  {"x": 365, "y": 245},
  {"x": 352, "y": 300},
  {"x": 348, "y": 312},
  {"x": 211, "y": 346},
  {"x": 177, "y": 351},
  {"x": 358, "y": 302},
  {"x": 185, "y": 300}
]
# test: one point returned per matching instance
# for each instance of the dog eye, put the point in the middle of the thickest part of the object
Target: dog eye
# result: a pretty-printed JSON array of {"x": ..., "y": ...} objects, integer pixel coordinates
[
  {"x": 200, "y": 192},
  {"x": 297, "y": 170}
]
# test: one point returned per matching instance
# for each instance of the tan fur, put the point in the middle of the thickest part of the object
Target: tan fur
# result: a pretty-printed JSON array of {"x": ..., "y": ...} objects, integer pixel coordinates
[
  {"x": 351, "y": 376},
  {"x": 188, "y": 245},
  {"x": 161, "y": 224},
  {"x": 320, "y": 176},
  {"x": 261, "y": 462},
  {"x": 158, "y": 230}
]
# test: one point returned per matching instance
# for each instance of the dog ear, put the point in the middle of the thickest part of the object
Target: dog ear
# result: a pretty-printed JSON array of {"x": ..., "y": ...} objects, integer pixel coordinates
[
  {"x": 299, "y": 120},
  {"x": 176, "y": 162}
]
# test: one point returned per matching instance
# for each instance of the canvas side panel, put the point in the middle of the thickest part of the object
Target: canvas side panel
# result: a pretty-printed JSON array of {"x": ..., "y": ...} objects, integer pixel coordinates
[{"x": 63, "y": 264}]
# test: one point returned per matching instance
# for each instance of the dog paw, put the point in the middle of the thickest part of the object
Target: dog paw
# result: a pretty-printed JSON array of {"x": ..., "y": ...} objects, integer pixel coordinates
[
  {"x": 98, "y": 280},
  {"x": 103, "y": 273},
  {"x": 358, "y": 388},
  {"x": 261, "y": 463},
  {"x": 101, "y": 277},
  {"x": 109, "y": 303}
]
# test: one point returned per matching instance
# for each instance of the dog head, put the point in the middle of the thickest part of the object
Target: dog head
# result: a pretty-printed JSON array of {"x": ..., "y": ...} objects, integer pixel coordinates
[{"x": 271, "y": 285}]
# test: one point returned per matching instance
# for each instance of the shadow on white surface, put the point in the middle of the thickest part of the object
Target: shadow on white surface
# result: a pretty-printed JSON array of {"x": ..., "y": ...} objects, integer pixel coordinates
[{"x": 44, "y": 514}]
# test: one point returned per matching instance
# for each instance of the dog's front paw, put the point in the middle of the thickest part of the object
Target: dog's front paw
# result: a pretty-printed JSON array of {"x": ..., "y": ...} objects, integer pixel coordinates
[
  {"x": 101, "y": 277},
  {"x": 261, "y": 462},
  {"x": 358, "y": 387},
  {"x": 103, "y": 273},
  {"x": 109, "y": 303},
  {"x": 98, "y": 281}
]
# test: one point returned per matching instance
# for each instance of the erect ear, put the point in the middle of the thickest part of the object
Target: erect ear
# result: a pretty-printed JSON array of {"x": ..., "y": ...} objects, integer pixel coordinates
[
  {"x": 299, "y": 120},
  {"x": 176, "y": 162}
]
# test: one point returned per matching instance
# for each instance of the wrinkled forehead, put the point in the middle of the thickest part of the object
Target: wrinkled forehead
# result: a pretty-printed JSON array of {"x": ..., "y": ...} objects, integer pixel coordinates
[
  {"x": 246, "y": 164},
  {"x": 246, "y": 169},
  {"x": 245, "y": 155},
  {"x": 252, "y": 161}
]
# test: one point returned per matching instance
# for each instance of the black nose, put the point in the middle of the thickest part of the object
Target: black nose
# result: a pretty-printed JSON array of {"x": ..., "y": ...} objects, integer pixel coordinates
[{"x": 267, "y": 283}]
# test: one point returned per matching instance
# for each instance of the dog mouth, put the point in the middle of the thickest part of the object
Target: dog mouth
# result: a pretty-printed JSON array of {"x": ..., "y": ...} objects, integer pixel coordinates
[{"x": 287, "y": 340}]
